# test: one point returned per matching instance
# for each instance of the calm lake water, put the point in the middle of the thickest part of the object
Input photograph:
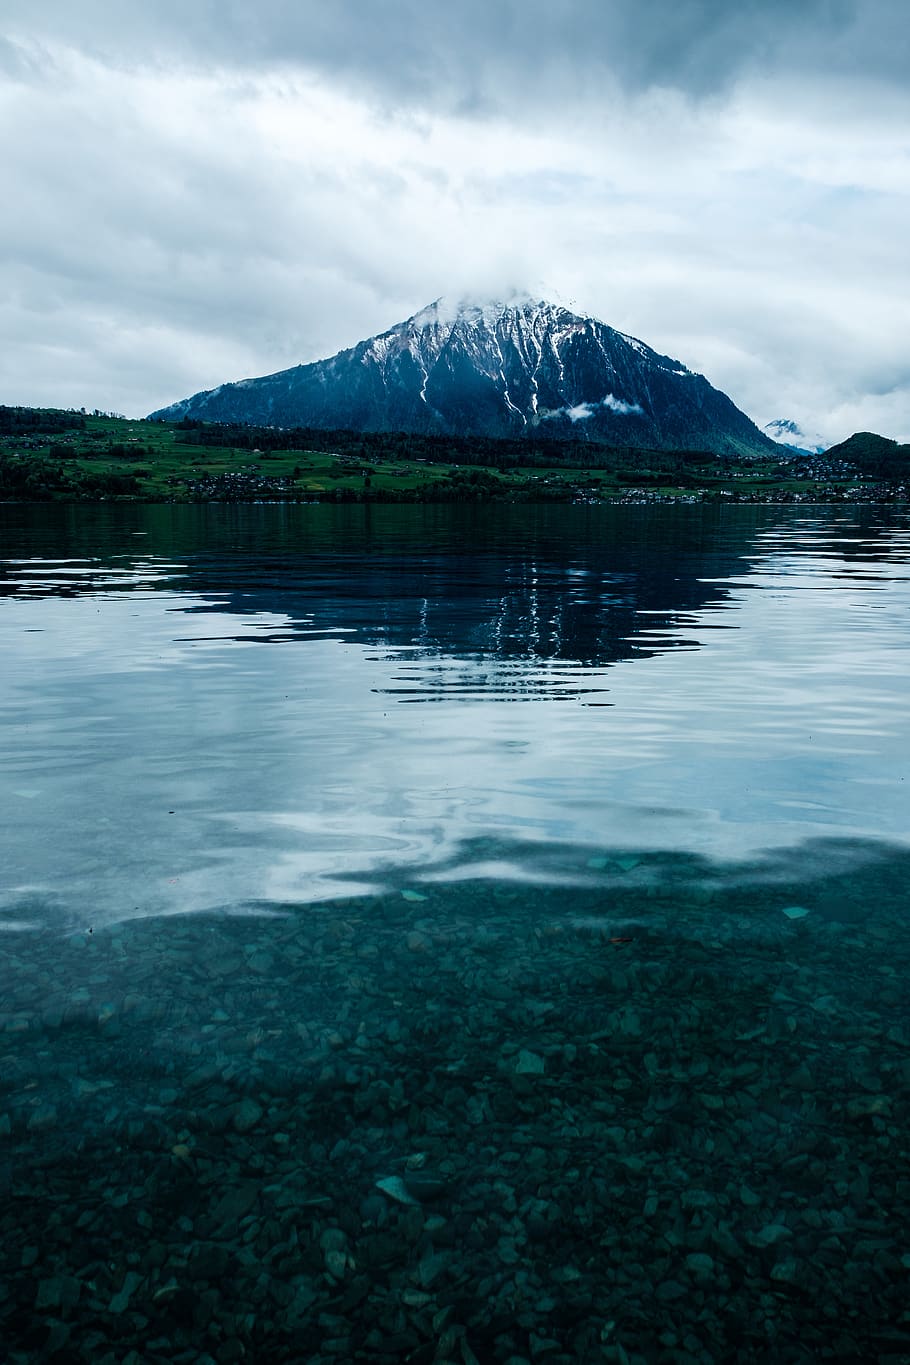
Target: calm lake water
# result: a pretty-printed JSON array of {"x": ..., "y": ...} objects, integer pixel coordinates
[{"x": 454, "y": 934}]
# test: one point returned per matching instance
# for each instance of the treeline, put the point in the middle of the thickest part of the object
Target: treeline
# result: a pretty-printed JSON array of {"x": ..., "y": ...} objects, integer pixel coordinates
[
  {"x": 39, "y": 480},
  {"x": 495, "y": 452},
  {"x": 38, "y": 421}
]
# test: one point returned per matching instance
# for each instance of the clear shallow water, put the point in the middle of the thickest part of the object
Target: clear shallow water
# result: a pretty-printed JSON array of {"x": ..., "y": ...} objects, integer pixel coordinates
[{"x": 558, "y": 854}]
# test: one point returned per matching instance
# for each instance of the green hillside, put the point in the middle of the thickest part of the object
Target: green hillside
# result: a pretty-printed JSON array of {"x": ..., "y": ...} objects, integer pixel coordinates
[
  {"x": 877, "y": 456},
  {"x": 48, "y": 454}
]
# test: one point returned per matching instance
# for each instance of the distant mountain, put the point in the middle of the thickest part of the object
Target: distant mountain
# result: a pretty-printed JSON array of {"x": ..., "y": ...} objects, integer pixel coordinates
[
  {"x": 788, "y": 433},
  {"x": 495, "y": 369}
]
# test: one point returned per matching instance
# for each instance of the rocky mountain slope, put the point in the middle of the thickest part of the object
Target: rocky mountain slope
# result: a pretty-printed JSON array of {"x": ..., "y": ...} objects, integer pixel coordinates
[{"x": 495, "y": 369}]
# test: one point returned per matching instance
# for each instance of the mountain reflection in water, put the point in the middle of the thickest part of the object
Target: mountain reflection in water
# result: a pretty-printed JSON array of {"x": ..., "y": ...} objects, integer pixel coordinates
[
  {"x": 456, "y": 587},
  {"x": 519, "y": 591}
]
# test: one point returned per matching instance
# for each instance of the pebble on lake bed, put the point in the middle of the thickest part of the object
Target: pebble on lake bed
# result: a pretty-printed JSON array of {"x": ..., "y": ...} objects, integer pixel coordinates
[
  {"x": 529, "y": 1064},
  {"x": 396, "y": 1189},
  {"x": 246, "y": 1115}
]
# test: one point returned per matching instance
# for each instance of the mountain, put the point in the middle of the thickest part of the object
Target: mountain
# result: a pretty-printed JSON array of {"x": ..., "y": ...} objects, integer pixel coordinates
[
  {"x": 495, "y": 369},
  {"x": 788, "y": 433},
  {"x": 874, "y": 455}
]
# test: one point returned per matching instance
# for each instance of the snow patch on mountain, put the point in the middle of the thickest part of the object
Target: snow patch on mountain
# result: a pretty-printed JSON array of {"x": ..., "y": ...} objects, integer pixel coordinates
[
  {"x": 449, "y": 309},
  {"x": 636, "y": 345}
]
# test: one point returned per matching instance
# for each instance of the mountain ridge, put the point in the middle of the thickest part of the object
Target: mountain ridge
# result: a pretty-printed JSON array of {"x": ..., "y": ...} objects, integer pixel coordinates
[{"x": 494, "y": 368}]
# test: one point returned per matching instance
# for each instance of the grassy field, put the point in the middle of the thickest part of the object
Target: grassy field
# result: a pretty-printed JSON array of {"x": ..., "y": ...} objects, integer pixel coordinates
[{"x": 68, "y": 456}]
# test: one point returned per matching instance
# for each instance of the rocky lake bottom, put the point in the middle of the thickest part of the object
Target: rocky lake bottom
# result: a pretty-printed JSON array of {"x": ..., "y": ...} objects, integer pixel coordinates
[{"x": 663, "y": 1119}]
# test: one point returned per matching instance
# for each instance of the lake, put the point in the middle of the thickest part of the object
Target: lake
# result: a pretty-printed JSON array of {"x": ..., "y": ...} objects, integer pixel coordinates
[{"x": 456, "y": 934}]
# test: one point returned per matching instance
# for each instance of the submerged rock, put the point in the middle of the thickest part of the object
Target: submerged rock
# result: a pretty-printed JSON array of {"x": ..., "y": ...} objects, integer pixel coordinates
[
  {"x": 61, "y": 1291},
  {"x": 529, "y": 1064},
  {"x": 120, "y": 1301},
  {"x": 246, "y": 1115},
  {"x": 396, "y": 1189},
  {"x": 869, "y": 1106}
]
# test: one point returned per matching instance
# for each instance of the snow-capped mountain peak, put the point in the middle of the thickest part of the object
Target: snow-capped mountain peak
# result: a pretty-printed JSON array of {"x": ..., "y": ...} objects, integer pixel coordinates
[
  {"x": 788, "y": 433},
  {"x": 514, "y": 366},
  {"x": 451, "y": 309}
]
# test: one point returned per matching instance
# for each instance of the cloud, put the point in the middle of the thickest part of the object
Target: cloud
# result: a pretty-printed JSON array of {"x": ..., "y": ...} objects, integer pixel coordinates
[
  {"x": 477, "y": 56},
  {"x": 192, "y": 199},
  {"x": 623, "y": 409},
  {"x": 580, "y": 412}
]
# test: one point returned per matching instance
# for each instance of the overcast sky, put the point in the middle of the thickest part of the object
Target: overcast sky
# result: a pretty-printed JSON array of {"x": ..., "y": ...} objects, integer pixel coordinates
[{"x": 205, "y": 190}]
